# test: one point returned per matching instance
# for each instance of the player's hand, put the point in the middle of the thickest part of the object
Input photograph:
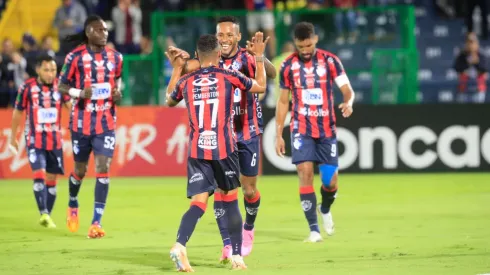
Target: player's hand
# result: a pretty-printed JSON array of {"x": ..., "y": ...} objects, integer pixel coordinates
[
  {"x": 258, "y": 44},
  {"x": 280, "y": 147},
  {"x": 346, "y": 109},
  {"x": 176, "y": 57},
  {"x": 86, "y": 93},
  {"x": 116, "y": 94},
  {"x": 13, "y": 146}
]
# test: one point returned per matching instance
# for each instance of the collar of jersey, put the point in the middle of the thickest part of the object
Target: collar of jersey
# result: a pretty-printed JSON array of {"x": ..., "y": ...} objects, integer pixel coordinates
[{"x": 233, "y": 56}]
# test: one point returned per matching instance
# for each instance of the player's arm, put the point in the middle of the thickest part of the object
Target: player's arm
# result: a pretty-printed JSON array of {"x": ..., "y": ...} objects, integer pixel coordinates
[
  {"x": 259, "y": 84},
  {"x": 67, "y": 79},
  {"x": 116, "y": 91},
  {"x": 342, "y": 81},
  {"x": 270, "y": 70},
  {"x": 19, "y": 107},
  {"x": 174, "y": 93}
]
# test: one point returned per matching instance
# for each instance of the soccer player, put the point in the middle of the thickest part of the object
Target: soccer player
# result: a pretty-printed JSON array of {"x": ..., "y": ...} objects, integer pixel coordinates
[
  {"x": 43, "y": 102},
  {"x": 91, "y": 74},
  {"x": 248, "y": 127},
  {"x": 309, "y": 74},
  {"x": 212, "y": 165}
]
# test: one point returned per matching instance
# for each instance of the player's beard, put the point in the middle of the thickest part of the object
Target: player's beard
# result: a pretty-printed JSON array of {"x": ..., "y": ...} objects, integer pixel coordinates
[{"x": 307, "y": 57}]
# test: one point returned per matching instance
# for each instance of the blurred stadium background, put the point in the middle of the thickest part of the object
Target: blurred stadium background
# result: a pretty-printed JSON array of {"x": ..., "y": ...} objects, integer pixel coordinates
[{"x": 414, "y": 157}]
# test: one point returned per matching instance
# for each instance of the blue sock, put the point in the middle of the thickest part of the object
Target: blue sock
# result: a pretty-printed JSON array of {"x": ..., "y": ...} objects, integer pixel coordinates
[
  {"x": 308, "y": 203},
  {"x": 252, "y": 208},
  {"x": 221, "y": 220},
  {"x": 101, "y": 191},
  {"x": 74, "y": 184},
  {"x": 189, "y": 222},
  {"x": 40, "y": 193},
  {"x": 234, "y": 217},
  {"x": 51, "y": 195}
]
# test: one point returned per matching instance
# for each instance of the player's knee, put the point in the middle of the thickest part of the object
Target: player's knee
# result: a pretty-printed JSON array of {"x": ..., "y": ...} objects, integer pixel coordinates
[
  {"x": 249, "y": 186},
  {"x": 80, "y": 170},
  {"x": 328, "y": 174},
  {"x": 51, "y": 180},
  {"x": 306, "y": 175},
  {"x": 102, "y": 164}
]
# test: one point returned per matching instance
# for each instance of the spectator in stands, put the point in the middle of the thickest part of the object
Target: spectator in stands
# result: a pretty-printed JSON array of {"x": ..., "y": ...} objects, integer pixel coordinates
[
  {"x": 316, "y": 4},
  {"x": 69, "y": 20},
  {"x": 127, "y": 18},
  {"x": 261, "y": 17},
  {"x": 30, "y": 52},
  {"x": 471, "y": 63},
  {"x": 6, "y": 73},
  {"x": 470, "y": 7},
  {"x": 350, "y": 16},
  {"x": 47, "y": 46}
]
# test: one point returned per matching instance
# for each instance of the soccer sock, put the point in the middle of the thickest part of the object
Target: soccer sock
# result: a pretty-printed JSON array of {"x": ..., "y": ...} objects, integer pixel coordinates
[
  {"x": 51, "y": 194},
  {"x": 234, "y": 218},
  {"x": 101, "y": 191},
  {"x": 308, "y": 202},
  {"x": 252, "y": 208},
  {"x": 74, "y": 183},
  {"x": 219, "y": 214},
  {"x": 189, "y": 222},
  {"x": 40, "y": 192},
  {"x": 328, "y": 197}
]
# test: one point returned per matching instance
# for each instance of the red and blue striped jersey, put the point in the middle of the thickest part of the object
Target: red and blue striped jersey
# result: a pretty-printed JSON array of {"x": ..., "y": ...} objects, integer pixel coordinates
[
  {"x": 209, "y": 96},
  {"x": 43, "y": 118},
  {"x": 99, "y": 70},
  {"x": 247, "y": 109},
  {"x": 311, "y": 84}
]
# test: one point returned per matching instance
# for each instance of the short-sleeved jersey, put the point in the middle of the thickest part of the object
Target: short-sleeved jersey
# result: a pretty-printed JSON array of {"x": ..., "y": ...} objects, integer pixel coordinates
[
  {"x": 247, "y": 109},
  {"x": 43, "y": 119},
  {"x": 99, "y": 70},
  {"x": 311, "y": 84},
  {"x": 209, "y": 96}
]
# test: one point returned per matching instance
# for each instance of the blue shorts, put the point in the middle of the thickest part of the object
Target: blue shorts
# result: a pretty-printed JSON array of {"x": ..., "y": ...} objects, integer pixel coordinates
[
  {"x": 208, "y": 175},
  {"x": 249, "y": 154},
  {"x": 49, "y": 160},
  {"x": 318, "y": 150},
  {"x": 101, "y": 144}
]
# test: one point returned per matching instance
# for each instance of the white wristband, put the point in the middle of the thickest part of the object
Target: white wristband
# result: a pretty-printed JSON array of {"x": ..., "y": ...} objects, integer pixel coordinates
[{"x": 74, "y": 92}]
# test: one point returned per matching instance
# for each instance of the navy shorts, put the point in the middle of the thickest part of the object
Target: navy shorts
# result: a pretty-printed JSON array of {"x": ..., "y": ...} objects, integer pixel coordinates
[
  {"x": 49, "y": 160},
  {"x": 208, "y": 175},
  {"x": 101, "y": 144},
  {"x": 318, "y": 150},
  {"x": 249, "y": 154}
]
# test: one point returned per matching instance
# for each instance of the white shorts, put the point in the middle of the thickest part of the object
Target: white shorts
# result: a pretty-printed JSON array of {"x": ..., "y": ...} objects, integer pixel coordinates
[{"x": 260, "y": 20}]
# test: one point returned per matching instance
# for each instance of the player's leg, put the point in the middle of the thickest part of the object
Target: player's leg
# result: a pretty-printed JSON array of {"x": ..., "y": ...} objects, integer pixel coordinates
[
  {"x": 249, "y": 154},
  {"x": 227, "y": 173},
  {"x": 54, "y": 167},
  {"x": 200, "y": 185},
  {"x": 303, "y": 156},
  {"x": 37, "y": 160},
  {"x": 103, "y": 146},
  {"x": 82, "y": 148},
  {"x": 328, "y": 157}
]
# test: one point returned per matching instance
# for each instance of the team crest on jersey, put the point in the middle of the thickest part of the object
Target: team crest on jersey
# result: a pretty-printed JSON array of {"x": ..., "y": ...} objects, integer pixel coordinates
[
  {"x": 237, "y": 65},
  {"x": 56, "y": 96},
  {"x": 110, "y": 66},
  {"x": 86, "y": 57},
  {"x": 295, "y": 66},
  {"x": 320, "y": 71},
  {"x": 35, "y": 89}
]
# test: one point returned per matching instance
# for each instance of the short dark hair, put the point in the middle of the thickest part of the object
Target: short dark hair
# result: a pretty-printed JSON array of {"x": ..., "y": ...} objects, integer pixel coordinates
[
  {"x": 303, "y": 30},
  {"x": 207, "y": 43},
  {"x": 43, "y": 58},
  {"x": 231, "y": 19}
]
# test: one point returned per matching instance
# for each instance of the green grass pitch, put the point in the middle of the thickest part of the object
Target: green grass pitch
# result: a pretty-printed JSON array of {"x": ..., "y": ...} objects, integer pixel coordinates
[{"x": 385, "y": 224}]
